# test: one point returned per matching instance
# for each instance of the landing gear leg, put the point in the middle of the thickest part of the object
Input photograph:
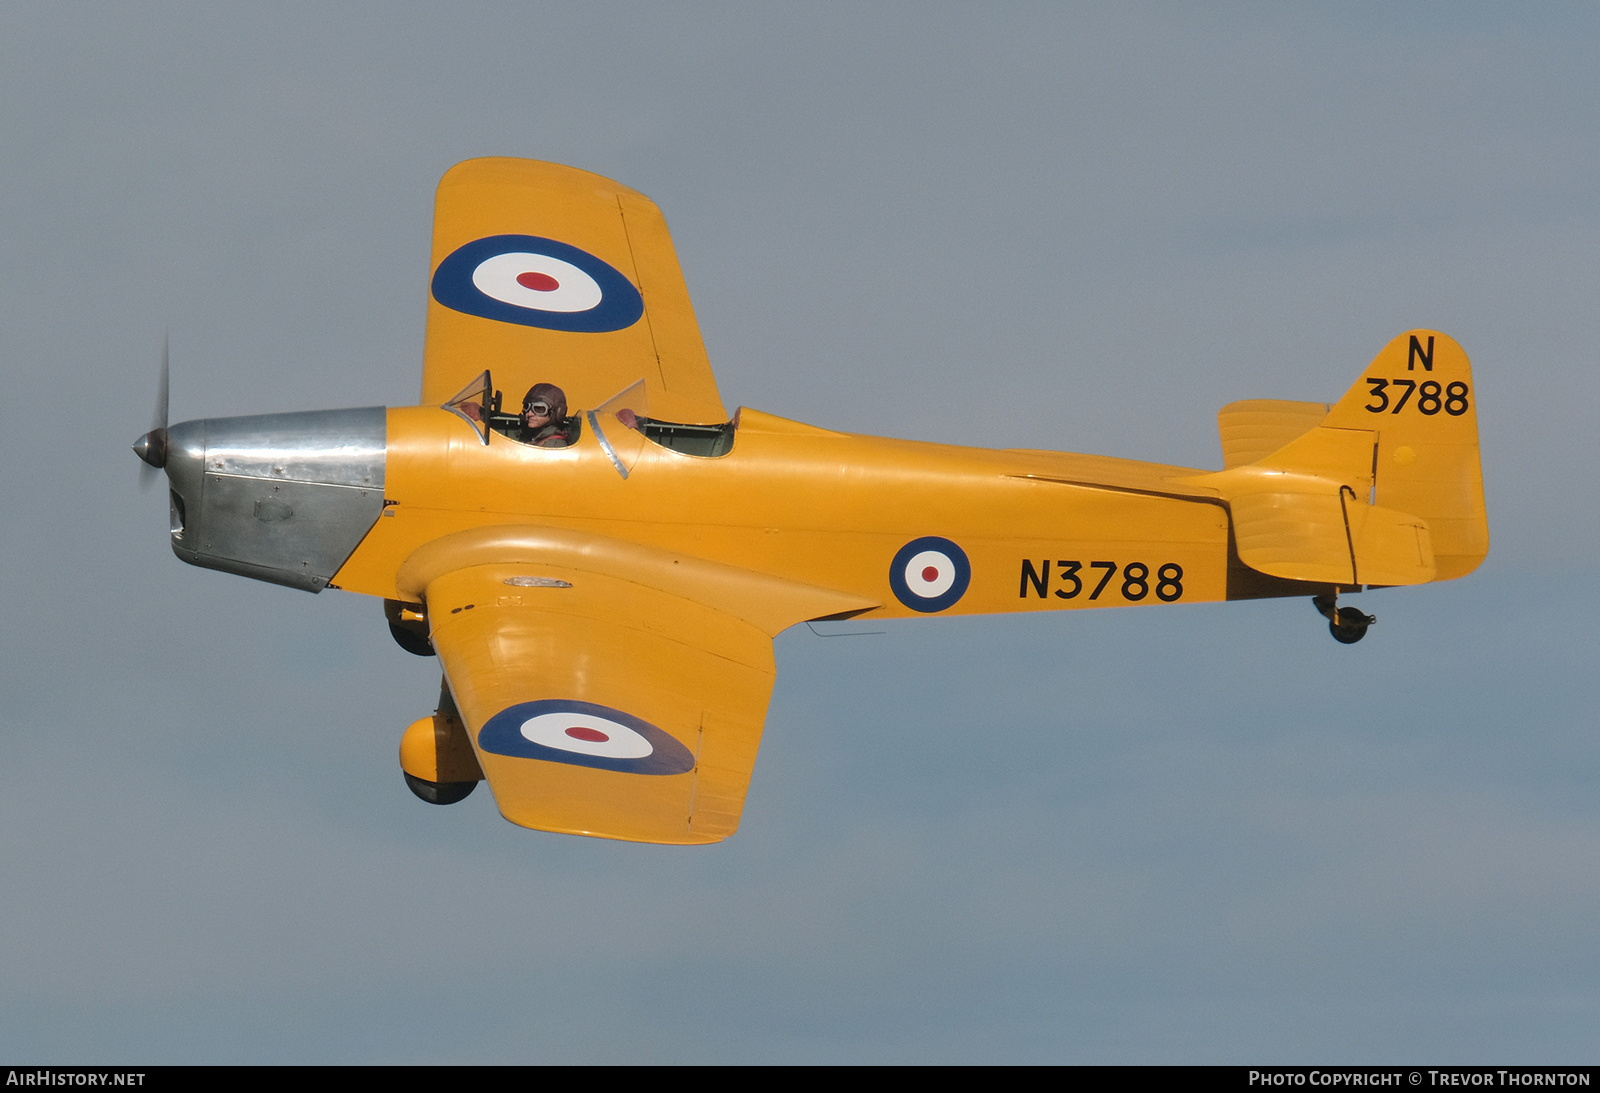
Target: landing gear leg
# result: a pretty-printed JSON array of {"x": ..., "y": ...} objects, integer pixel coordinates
[{"x": 1346, "y": 624}]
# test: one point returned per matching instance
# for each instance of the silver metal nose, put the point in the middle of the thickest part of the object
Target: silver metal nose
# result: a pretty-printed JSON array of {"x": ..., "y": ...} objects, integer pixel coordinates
[
  {"x": 284, "y": 498},
  {"x": 152, "y": 448}
]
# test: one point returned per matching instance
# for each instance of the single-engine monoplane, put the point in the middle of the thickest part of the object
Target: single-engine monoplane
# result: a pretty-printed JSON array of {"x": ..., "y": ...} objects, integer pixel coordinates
[{"x": 601, "y": 573}]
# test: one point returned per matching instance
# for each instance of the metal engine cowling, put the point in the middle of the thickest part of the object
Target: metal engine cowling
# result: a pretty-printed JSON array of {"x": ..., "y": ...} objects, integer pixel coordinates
[{"x": 284, "y": 498}]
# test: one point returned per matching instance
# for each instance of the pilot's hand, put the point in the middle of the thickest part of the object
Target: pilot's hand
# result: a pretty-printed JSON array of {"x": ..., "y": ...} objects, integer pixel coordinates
[
  {"x": 628, "y": 418},
  {"x": 472, "y": 410}
]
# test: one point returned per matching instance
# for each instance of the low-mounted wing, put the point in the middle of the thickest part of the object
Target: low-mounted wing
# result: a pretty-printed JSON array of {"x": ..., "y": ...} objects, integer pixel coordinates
[
  {"x": 544, "y": 273},
  {"x": 608, "y": 688}
]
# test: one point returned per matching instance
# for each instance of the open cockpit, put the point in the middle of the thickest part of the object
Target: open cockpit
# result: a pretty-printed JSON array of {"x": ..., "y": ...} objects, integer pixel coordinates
[{"x": 544, "y": 422}]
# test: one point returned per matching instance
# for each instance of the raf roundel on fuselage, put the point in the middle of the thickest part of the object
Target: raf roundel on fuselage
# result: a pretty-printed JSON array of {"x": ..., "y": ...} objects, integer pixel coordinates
[
  {"x": 930, "y": 574},
  {"x": 532, "y": 281}
]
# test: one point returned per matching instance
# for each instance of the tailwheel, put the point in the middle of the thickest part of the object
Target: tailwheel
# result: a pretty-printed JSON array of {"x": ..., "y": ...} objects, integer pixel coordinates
[{"x": 1347, "y": 624}]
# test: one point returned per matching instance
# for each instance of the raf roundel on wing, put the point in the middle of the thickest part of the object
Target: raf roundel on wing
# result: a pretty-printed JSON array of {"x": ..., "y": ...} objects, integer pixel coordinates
[
  {"x": 532, "y": 281},
  {"x": 929, "y": 574},
  {"x": 584, "y": 734}
]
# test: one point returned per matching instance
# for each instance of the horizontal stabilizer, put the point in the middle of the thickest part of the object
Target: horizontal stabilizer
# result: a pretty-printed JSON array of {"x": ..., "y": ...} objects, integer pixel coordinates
[
  {"x": 1390, "y": 547},
  {"x": 1255, "y": 428},
  {"x": 1330, "y": 538},
  {"x": 1299, "y": 536}
]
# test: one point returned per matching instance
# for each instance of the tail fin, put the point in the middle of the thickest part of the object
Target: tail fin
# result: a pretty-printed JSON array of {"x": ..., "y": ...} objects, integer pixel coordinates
[
  {"x": 1418, "y": 396},
  {"x": 1387, "y": 489}
]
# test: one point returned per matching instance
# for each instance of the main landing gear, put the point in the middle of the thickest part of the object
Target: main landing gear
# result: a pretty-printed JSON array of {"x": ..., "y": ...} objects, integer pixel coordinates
[
  {"x": 408, "y": 623},
  {"x": 436, "y": 756},
  {"x": 1346, "y": 624}
]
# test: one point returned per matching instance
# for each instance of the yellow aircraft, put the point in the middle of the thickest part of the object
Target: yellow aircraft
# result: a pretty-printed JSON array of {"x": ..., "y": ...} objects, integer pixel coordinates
[{"x": 602, "y": 574}]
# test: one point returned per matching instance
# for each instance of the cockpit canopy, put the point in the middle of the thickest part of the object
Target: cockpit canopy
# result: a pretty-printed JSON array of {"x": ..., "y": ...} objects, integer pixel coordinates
[{"x": 626, "y": 412}]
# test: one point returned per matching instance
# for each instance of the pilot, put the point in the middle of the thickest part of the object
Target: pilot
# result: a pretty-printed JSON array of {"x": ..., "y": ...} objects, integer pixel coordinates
[{"x": 544, "y": 421}]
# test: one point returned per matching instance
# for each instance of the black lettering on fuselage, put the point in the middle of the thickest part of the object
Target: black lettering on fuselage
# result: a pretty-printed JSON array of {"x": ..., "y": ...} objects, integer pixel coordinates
[{"x": 1034, "y": 577}]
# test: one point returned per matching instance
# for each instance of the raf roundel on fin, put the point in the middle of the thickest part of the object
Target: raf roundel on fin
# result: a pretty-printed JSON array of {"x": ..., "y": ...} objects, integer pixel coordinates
[
  {"x": 532, "y": 281},
  {"x": 930, "y": 574},
  {"x": 585, "y": 734}
]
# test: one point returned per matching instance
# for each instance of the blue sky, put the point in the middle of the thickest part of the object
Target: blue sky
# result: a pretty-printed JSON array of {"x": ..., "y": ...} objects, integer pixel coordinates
[{"x": 1203, "y": 834}]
